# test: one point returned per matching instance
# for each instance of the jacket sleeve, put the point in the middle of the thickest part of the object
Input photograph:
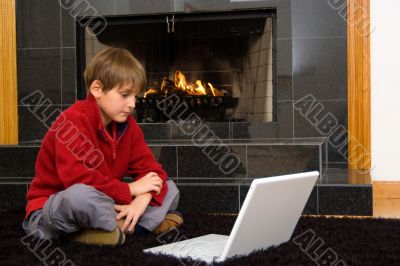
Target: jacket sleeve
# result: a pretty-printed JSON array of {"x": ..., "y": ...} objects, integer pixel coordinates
[
  {"x": 78, "y": 161},
  {"x": 142, "y": 161}
]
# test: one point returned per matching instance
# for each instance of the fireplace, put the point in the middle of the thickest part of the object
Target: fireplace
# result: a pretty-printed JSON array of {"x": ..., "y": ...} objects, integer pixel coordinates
[{"x": 221, "y": 65}]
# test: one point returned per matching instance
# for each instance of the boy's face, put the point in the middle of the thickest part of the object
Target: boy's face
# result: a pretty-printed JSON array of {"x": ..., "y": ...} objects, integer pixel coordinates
[{"x": 116, "y": 104}]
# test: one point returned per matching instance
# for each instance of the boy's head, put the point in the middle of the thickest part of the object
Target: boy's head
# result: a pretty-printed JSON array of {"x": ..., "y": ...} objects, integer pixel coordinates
[
  {"x": 115, "y": 67},
  {"x": 114, "y": 77}
]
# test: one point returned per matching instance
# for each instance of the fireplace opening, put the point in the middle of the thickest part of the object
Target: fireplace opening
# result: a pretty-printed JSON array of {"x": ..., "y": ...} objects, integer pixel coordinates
[
  {"x": 203, "y": 99},
  {"x": 221, "y": 65}
]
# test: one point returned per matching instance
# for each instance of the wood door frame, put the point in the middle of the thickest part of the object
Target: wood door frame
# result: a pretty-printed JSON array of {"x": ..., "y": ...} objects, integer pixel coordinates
[
  {"x": 8, "y": 74},
  {"x": 359, "y": 88}
]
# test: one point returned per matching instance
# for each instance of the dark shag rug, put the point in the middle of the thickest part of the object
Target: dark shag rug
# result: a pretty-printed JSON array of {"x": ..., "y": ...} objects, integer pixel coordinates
[{"x": 315, "y": 241}]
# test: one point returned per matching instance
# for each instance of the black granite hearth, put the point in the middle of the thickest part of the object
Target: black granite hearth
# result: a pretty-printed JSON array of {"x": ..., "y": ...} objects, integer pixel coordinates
[{"x": 205, "y": 189}]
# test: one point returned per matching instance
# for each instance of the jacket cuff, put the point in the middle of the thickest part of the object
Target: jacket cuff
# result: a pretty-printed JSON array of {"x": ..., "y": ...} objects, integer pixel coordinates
[
  {"x": 157, "y": 200},
  {"x": 123, "y": 193}
]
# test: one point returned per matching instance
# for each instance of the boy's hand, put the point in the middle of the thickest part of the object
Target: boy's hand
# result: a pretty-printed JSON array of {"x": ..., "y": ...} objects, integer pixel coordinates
[
  {"x": 132, "y": 212},
  {"x": 148, "y": 183}
]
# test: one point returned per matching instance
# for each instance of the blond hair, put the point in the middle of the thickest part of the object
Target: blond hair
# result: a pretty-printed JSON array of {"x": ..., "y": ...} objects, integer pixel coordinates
[{"x": 115, "y": 67}]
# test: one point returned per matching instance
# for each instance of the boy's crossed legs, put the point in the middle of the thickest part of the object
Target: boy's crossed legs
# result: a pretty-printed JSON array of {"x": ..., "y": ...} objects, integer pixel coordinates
[{"x": 82, "y": 206}]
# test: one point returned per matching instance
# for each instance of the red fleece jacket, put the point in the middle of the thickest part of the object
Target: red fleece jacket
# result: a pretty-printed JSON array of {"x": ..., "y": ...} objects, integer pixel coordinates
[{"x": 78, "y": 149}]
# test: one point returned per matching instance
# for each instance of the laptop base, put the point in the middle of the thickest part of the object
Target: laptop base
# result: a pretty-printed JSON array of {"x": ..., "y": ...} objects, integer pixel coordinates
[{"x": 205, "y": 248}]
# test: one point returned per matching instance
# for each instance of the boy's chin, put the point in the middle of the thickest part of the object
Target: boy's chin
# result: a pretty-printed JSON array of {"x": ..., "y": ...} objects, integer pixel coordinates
[{"x": 121, "y": 119}]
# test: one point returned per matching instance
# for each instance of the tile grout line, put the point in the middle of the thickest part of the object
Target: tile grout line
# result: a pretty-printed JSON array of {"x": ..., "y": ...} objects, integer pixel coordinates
[
  {"x": 239, "y": 196},
  {"x": 321, "y": 174},
  {"x": 293, "y": 135},
  {"x": 61, "y": 60},
  {"x": 326, "y": 157},
  {"x": 247, "y": 160},
  {"x": 317, "y": 200},
  {"x": 177, "y": 164}
]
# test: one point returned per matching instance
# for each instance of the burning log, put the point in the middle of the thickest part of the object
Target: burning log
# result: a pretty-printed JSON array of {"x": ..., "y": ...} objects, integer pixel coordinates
[
  {"x": 204, "y": 99},
  {"x": 181, "y": 87},
  {"x": 168, "y": 87}
]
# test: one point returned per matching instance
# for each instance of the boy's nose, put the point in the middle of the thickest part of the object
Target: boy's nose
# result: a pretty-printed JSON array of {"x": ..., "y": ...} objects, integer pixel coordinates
[{"x": 132, "y": 103}]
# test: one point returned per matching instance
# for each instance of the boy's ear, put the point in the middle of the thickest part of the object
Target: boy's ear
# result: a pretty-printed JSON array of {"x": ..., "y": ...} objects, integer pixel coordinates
[{"x": 96, "y": 88}]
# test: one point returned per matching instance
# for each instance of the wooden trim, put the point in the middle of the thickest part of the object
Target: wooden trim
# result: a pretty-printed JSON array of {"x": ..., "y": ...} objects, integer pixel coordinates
[
  {"x": 359, "y": 84},
  {"x": 386, "y": 199},
  {"x": 386, "y": 190},
  {"x": 358, "y": 177},
  {"x": 8, "y": 74}
]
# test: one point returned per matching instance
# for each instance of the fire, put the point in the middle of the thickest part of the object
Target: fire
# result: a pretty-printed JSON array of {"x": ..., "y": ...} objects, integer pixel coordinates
[
  {"x": 150, "y": 91},
  {"x": 189, "y": 88},
  {"x": 215, "y": 91},
  {"x": 181, "y": 85}
]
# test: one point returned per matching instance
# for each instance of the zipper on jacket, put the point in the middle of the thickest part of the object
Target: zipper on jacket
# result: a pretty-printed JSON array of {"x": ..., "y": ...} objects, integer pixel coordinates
[
  {"x": 115, "y": 144},
  {"x": 114, "y": 140},
  {"x": 113, "y": 151},
  {"x": 120, "y": 136}
]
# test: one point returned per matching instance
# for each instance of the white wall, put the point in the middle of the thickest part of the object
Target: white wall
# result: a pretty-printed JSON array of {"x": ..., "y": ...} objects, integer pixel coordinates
[{"x": 385, "y": 91}]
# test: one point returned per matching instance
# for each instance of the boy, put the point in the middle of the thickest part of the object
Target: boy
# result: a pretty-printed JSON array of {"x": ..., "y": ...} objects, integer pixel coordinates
[{"x": 77, "y": 189}]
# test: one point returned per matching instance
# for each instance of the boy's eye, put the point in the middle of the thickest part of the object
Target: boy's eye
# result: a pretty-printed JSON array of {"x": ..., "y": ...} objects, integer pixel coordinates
[{"x": 124, "y": 94}]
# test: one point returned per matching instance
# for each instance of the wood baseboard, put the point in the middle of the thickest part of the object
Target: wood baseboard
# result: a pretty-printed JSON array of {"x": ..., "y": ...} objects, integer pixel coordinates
[{"x": 386, "y": 199}]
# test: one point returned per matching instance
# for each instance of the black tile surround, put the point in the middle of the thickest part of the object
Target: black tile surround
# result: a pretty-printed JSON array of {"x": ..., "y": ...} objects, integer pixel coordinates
[
  {"x": 203, "y": 194},
  {"x": 46, "y": 57}
]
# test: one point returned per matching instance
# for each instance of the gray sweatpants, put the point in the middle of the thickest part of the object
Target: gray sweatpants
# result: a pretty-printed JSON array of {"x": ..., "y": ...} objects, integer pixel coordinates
[{"x": 82, "y": 206}]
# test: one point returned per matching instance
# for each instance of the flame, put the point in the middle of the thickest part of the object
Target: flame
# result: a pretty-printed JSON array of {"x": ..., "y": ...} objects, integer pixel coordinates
[
  {"x": 181, "y": 84},
  {"x": 150, "y": 91},
  {"x": 193, "y": 89},
  {"x": 200, "y": 89},
  {"x": 215, "y": 92},
  {"x": 180, "y": 81},
  {"x": 189, "y": 88}
]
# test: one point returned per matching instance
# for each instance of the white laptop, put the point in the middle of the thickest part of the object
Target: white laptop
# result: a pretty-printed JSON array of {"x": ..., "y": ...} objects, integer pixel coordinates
[{"x": 267, "y": 218}]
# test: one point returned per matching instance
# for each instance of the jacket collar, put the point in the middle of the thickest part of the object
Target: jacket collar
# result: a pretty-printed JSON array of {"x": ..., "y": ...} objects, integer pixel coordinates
[{"x": 92, "y": 109}]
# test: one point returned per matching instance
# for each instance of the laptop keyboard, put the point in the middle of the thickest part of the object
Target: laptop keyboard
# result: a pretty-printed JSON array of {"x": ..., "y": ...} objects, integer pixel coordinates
[{"x": 204, "y": 251}]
